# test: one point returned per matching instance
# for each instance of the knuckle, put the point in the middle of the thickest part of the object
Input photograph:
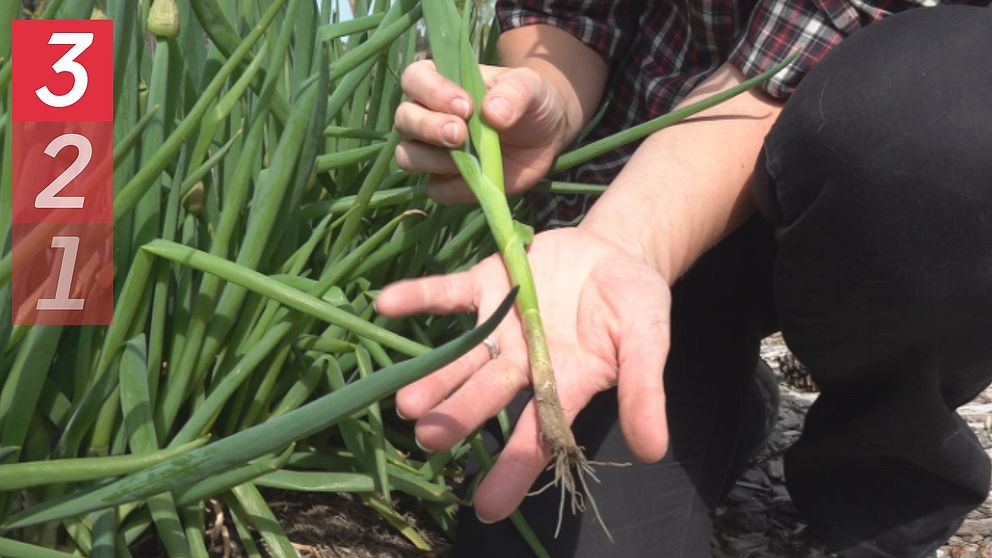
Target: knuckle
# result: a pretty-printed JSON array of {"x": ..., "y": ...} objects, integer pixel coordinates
[
  {"x": 525, "y": 81},
  {"x": 400, "y": 117},
  {"x": 434, "y": 125},
  {"x": 448, "y": 287},
  {"x": 414, "y": 73},
  {"x": 402, "y": 156},
  {"x": 426, "y": 66},
  {"x": 426, "y": 293},
  {"x": 408, "y": 120}
]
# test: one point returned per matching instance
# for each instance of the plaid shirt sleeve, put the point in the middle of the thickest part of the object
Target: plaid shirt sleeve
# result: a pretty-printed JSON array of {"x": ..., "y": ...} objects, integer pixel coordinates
[
  {"x": 778, "y": 28},
  {"x": 604, "y": 26}
]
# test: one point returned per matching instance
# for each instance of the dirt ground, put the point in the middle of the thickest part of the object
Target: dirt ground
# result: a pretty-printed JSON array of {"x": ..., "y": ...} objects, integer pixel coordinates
[{"x": 757, "y": 519}]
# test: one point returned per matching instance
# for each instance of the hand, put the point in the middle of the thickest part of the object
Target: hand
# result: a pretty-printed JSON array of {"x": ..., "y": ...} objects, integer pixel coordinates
[
  {"x": 520, "y": 104},
  {"x": 605, "y": 314}
]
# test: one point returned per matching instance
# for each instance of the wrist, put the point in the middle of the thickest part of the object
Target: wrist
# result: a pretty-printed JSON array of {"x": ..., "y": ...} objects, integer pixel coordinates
[
  {"x": 688, "y": 186},
  {"x": 637, "y": 234}
]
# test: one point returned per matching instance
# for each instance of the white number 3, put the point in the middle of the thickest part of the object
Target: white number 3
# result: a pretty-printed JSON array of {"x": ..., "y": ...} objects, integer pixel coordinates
[{"x": 80, "y": 42}]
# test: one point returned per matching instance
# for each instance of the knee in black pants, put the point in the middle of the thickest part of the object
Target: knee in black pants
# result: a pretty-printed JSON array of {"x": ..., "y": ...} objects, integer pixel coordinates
[{"x": 879, "y": 183}]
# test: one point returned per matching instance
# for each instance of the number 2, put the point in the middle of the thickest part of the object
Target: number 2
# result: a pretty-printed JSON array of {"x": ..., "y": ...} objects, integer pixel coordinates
[
  {"x": 46, "y": 199},
  {"x": 80, "y": 42}
]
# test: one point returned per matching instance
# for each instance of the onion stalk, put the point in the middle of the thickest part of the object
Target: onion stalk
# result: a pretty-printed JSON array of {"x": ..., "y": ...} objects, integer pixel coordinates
[{"x": 481, "y": 166}]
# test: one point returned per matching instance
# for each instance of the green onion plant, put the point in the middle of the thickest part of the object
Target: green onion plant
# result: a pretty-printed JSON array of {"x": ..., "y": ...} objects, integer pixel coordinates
[{"x": 257, "y": 212}]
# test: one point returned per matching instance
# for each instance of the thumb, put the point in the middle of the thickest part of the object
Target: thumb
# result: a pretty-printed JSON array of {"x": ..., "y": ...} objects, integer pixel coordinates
[{"x": 519, "y": 92}]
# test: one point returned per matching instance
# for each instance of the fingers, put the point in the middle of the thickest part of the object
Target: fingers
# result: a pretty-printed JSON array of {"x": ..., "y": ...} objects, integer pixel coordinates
[
  {"x": 521, "y": 461},
  {"x": 480, "y": 398},
  {"x": 448, "y": 189},
  {"x": 438, "y": 294},
  {"x": 417, "y": 157},
  {"x": 435, "y": 117},
  {"x": 417, "y": 399},
  {"x": 425, "y": 85},
  {"x": 514, "y": 472},
  {"x": 445, "y": 294},
  {"x": 445, "y": 185},
  {"x": 642, "y": 395},
  {"x": 642, "y": 340},
  {"x": 417, "y": 122}
]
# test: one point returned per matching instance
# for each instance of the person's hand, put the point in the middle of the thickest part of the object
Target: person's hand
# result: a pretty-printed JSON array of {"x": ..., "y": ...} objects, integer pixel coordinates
[
  {"x": 605, "y": 314},
  {"x": 520, "y": 104}
]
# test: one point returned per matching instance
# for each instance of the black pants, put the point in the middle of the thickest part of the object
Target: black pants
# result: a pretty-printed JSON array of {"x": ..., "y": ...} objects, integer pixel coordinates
[{"x": 873, "y": 254}]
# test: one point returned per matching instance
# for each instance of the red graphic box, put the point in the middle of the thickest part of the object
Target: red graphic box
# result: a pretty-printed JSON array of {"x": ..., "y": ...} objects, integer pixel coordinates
[{"x": 64, "y": 70}]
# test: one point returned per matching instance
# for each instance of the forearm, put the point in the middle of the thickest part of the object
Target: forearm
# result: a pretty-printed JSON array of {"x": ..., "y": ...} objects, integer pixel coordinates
[
  {"x": 576, "y": 73},
  {"x": 688, "y": 186}
]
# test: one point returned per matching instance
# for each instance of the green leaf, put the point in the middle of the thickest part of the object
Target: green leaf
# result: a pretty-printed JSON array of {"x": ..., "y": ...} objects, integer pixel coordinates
[
  {"x": 15, "y": 476},
  {"x": 268, "y": 287},
  {"x": 524, "y": 232},
  {"x": 10, "y": 548},
  {"x": 261, "y": 439},
  {"x": 602, "y": 146}
]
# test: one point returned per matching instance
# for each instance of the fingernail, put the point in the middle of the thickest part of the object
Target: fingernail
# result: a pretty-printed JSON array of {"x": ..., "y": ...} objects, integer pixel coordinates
[
  {"x": 450, "y": 133},
  {"x": 419, "y": 445},
  {"x": 461, "y": 107},
  {"x": 500, "y": 108},
  {"x": 399, "y": 414},
  {"x": 483, "y": 520}
]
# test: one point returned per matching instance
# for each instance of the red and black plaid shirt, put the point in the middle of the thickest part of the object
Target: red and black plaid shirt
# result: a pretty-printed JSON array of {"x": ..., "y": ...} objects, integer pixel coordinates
[{"x": 658, "y": 51}]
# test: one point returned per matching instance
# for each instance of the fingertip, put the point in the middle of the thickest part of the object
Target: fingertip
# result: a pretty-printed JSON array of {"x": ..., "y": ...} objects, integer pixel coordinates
[
  {"x": 645, "y": 427},
  {"x": 493, "y": 504},
  {"x": 656, "y": 447},
  {"x": 385, "y": 303},
  {"x": 416, "y": 441},
  {"x": 515, "y": 471},
  {"x": 377, "y": 303},
  {"x": 431, "y": 438},
  {"x": 408, "y": 403}
]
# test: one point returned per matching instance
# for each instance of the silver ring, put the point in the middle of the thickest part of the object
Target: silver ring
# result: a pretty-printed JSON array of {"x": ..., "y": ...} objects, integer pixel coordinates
[{"x": 492, "y": 346}]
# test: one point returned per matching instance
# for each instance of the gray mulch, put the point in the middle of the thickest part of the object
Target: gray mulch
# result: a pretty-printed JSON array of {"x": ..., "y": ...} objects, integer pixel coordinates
[{"x": 758, "y": 519}]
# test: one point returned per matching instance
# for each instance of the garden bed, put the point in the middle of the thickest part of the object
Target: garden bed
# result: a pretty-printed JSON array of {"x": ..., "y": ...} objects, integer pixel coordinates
[{"x": 756, "y": 520}]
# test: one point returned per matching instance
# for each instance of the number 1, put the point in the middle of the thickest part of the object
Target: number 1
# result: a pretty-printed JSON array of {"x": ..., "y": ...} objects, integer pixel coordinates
[{"x": 69, "y": 246}]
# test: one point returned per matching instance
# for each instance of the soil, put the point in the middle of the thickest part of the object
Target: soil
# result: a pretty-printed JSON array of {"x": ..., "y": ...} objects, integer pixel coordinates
[{"x": 342, "y": 526}]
